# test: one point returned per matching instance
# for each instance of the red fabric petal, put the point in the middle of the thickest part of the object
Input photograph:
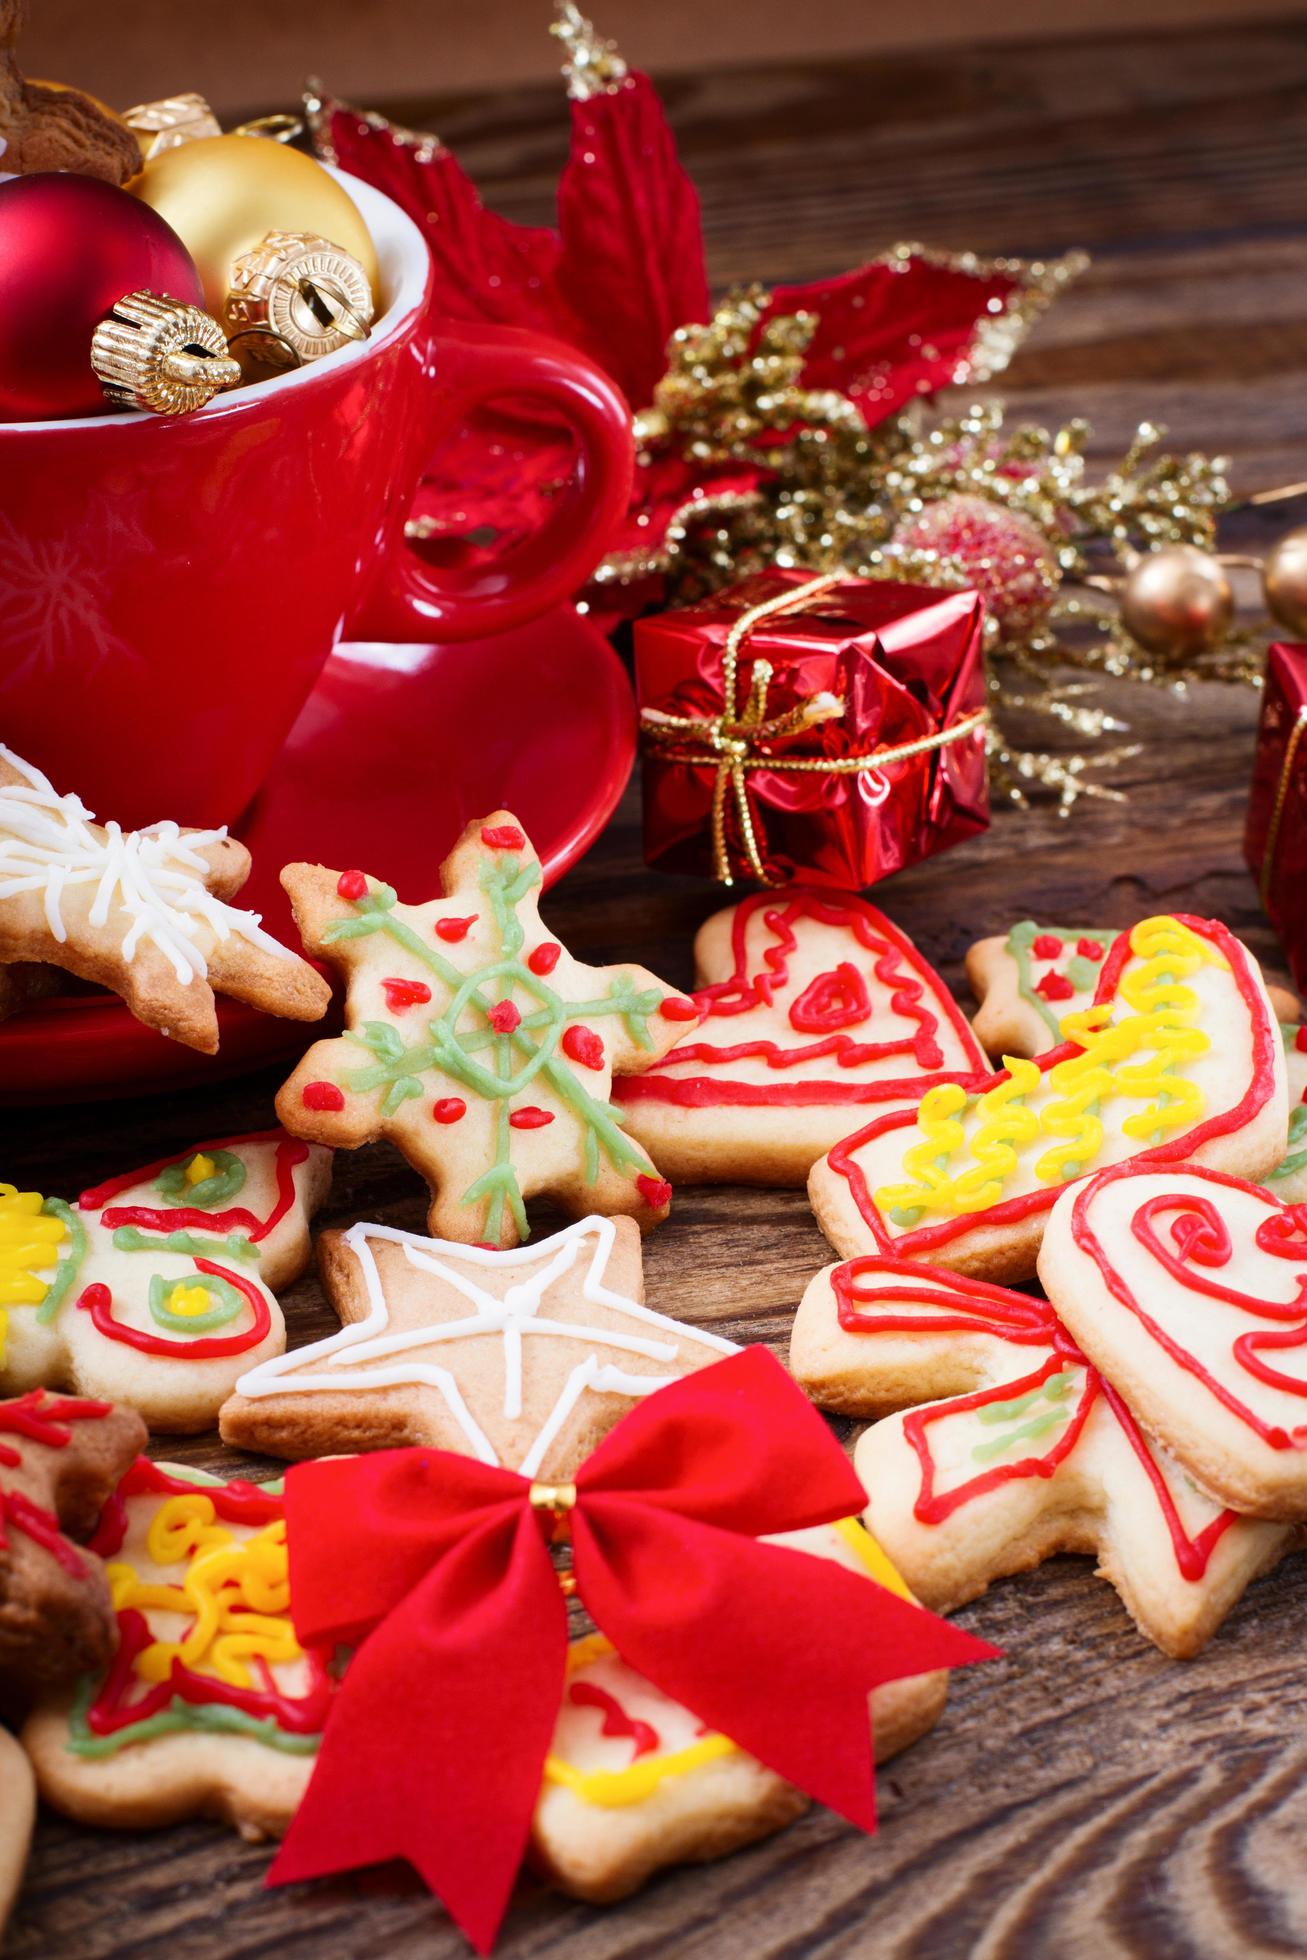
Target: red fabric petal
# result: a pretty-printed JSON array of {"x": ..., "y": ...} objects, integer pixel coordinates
[
  {"x": 896, "y": 328},
  {"x": 632, "y": 243}
]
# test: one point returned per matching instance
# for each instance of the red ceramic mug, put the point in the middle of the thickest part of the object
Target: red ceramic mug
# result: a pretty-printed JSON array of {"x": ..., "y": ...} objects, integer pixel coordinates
[{"x": 170, "y": 589}]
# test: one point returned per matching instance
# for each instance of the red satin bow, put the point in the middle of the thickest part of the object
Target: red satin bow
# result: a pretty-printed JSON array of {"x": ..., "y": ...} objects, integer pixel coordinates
[{"x": 439, "y": 1567}]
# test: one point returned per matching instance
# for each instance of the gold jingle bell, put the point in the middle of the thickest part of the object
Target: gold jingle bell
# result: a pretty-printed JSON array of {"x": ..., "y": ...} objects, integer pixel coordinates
[
  {"x": 223, "y": 195},
  {"x": 1177, "y": 601},
  {"x": 1284, "y": 576},
  {"x": 156, "y": 353},
  {"x": 295, "y": 298}
]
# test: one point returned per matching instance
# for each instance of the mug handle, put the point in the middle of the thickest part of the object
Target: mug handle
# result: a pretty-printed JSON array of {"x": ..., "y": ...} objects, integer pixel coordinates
[{"x": 411, "y": 600}]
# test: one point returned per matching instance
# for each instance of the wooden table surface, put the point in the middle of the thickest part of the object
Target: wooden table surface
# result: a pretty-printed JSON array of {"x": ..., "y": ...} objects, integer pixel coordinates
[{"x": 1085, "y": 1796}]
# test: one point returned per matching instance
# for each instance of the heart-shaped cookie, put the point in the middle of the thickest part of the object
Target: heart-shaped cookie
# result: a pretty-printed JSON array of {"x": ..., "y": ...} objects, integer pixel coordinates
[{"x": 1189, "y": 1290}]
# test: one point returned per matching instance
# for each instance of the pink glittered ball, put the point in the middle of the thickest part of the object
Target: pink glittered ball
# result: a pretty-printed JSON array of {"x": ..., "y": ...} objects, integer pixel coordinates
[{"x": 1001, "y": 553}]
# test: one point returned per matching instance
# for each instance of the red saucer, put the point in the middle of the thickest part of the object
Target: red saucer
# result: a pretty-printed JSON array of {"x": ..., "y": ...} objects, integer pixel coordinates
[{"x": 395, "y": 750}]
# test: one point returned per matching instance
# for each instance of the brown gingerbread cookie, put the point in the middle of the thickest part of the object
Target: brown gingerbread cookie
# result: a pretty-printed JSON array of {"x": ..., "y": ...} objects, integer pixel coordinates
[
  {"x": 46, "y": 127},
  {"x": 60, "y": 1458}
]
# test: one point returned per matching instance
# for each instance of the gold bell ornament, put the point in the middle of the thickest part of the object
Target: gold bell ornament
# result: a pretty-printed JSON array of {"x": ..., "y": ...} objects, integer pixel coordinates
[
  {"x": 1177, "y": 601},
  {"x": 155, "y": 353},
  {"x": 293, "y": 299},
  {"x": 223, "y": 196}
]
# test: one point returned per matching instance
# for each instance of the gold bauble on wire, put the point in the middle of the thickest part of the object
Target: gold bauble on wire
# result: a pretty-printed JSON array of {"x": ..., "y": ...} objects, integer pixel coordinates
[
  {"x": 1284, "y": 576},
  {"x": 1177, "y": 601},
  {"x": 223, "y": 195}
]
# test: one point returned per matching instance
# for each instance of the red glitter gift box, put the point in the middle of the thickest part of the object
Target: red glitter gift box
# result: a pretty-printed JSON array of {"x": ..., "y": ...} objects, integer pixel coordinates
[
  {"x": 831, "y": 729},
  {"x": 1275, "y": 842}
]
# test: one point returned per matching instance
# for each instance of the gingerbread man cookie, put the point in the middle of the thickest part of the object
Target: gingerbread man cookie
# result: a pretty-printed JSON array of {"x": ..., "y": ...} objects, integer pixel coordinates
[
  {"x": 1014, "y": 1448},
  {"x": 44, "y": 126},
  {"x": 1189, "y": 1289},
  {"x": 477, "y": 1044},
  {"x": 634, "y": 1782},
  {"x": 812, "y": 1009},
  {"x": 60, "y": 1457},
  {"x": 525, "y": 1358},
  {"x": 1179, "y": 1057},
  {"x": 155, "y": 1288},
  {"x": 17, "y": 1816},
  {"x": 142, "y": 912},
  {"x": 1029, "y": 981},
  {"x": 209, "y": 1707}
]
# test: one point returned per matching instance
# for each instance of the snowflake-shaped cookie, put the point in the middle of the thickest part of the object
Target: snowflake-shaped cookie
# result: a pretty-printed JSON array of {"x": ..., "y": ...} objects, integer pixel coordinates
[
  {"x": 477, "y": 1044},
  {"x": 142, "y": 912}
]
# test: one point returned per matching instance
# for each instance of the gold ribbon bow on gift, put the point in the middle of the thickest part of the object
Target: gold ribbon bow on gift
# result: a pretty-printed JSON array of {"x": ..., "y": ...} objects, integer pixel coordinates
[{"x": 731, "y": 742}]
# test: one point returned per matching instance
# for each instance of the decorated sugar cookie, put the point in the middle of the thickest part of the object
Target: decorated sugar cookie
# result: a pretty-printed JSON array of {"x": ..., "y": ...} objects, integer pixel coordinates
[
  {"x": 17, "y": 1816},
  {"x": 524, "y": 1358},
  {"x": 812, "y": 1010},
  {"x": 1189, "y": 1289},
  {"x": 477, "y": 1044},
  {"x": 1028, "y": 981},
  {"x": 142, "y": 912},
  {"x": 634, "y": 1782},
  {"x": 1287, "y": 1181},
  {"x": 1030, "y": 1452},
  {"x": 60, "y": 1457},
  {"x": 1179, "y": 1057},
  {"x": 155, "y": 1288},
  {"x": 209, "y": 1706}
]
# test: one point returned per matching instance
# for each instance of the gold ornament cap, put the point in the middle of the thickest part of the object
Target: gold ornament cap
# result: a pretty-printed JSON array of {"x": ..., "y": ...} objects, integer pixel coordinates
[
  {"x": 159, "y": 354},
  {"x": 294, "y": 298},
  {"x": 170, "y": 122}
]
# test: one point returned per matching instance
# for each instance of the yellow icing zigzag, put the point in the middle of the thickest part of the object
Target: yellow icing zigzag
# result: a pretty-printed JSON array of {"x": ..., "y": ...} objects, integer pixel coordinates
[
  {"x": 29, "y": 1238},
  {"x": 1159, "y": 1032}
]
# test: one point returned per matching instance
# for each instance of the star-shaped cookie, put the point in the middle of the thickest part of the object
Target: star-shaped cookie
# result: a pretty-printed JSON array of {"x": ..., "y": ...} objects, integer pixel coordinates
[
  {"x": 155, "y": 1287},
  {"x": 60, "y": 1458},
  {"x": 1014, "y": 1447},
  {"x": 142, "y": 912},
  {"x": 524, "y": 1358},
  {"x": 477, "y": 1044},
  {"x": 812, "y": 1011}
]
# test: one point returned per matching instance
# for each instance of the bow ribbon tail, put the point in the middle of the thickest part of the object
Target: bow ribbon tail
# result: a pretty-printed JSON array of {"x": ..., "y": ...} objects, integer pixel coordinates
[{"x": 437, "y": 1736}]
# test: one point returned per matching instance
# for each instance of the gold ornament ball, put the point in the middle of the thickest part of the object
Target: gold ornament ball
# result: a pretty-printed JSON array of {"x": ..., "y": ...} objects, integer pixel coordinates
[
  {"x": 224, "y": 194},
  {"x": 1177, "y": 601},
  {"x": 1285, "y": 577}
]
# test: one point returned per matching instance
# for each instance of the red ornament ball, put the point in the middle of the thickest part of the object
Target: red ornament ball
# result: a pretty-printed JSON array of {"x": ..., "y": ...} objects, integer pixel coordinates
[
  {"x": 1000, "y": 552},
  {"x": 70, "y": 247}
]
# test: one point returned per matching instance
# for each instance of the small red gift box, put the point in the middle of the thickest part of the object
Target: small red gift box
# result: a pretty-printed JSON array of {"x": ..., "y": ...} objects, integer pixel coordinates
[
  {"x": 830, "y": 728},
  {"x": 1275, "y": 842}
]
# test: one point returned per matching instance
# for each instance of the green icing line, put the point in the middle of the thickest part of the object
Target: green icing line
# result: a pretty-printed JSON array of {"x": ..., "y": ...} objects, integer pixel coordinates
[
  {"x": 228, "y": 1302},
  {"x": 533, "y": 1043},
  {"x": 130, "y": 1238},
  {"x": 211, "y": 1192},
  {"x": 64, "y": 1272},
  {"x": 209, "y": 1718},
  {"x": 1055, "y": 1391},
  {"x": 1082, "y": 973},
  {"x": 1297, "y": 1159}
]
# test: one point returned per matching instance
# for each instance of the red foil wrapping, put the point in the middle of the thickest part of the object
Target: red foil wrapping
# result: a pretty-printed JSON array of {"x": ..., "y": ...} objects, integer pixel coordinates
[
  {"x": 906, "y": 661},
  {"x": 1275, "y": 842}
]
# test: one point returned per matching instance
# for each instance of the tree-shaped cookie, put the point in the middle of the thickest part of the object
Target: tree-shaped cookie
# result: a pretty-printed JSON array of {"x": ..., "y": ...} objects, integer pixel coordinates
[
  {"x": 1029, "y": 1452},
  {"x": 209, "y": 1706},
  {"x": 60, "y": 1458},
  {"x": 634, "y": 1781},
  {"x": 155, "y": 1288},
  {"x": 142, "y": 912},
  {"x": 477, "y": 1044},
  {"x": 1189, "y": 1289},
  {"x": 1179, "y": 1057},
  {"x": 525, "y": 1358},
  {"x": 813, "y": 1010}
]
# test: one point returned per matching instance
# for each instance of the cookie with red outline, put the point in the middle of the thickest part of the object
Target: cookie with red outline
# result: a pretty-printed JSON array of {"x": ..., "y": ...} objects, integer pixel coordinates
[{"x": 812, "y": 1011}]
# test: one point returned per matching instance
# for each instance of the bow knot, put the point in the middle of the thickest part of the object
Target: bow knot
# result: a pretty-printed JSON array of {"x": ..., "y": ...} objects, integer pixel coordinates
[{"x": 434, "y": 1568}]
